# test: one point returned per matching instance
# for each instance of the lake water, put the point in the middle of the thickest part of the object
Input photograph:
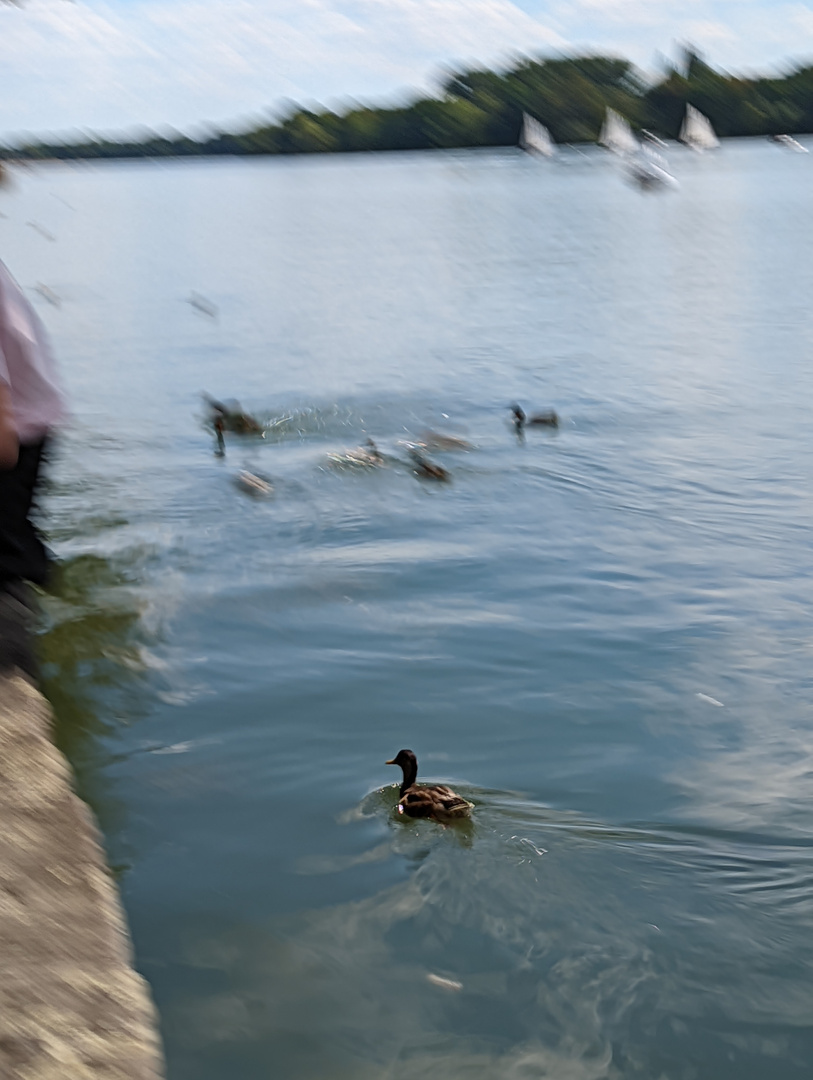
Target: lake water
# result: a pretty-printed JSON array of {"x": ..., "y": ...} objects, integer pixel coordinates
[{"x": 601, "y": 636}]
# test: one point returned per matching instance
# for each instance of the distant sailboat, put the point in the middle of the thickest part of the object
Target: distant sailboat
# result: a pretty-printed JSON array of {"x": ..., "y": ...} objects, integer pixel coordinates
[
  {"x": 650, "y": 139},
  {"x": 535, "y": 138},
  {"x": 641, "y": 164},
  {"x": 789, "y": 143},
  {"x": 616, "y": 134},
  {"x": 697, "y": 131},
  {"x": 647, "y": 168}
]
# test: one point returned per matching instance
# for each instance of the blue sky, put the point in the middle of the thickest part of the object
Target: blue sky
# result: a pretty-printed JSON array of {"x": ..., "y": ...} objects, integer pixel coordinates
[{"x": 112, "y": 65}]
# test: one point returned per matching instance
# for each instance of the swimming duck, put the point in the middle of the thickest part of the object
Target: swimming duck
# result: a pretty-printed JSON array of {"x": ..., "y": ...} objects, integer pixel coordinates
[
  {"x": 232, "y": 418},
  {"x": 425, "y": 469},
  {"x": 367, "y": 455},
  {"x": 429, "y": 800},
  {"x": 200, "y": 303},
  {"x": 217, "y": 424},
  {"x": 436, "y": 440},
  {"x": 253, "y": 484},
  {"x": 548, "y": 418}
]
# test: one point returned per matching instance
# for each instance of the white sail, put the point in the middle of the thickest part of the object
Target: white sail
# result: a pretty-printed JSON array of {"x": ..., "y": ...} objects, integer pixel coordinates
[
  {"x": 616, "y": 134},
  {"x": 697, "y": 131},
  {"x": 535, "y": 137},
  {"x": 648, "y": 169},
  {"x": 789, "y": 143}
]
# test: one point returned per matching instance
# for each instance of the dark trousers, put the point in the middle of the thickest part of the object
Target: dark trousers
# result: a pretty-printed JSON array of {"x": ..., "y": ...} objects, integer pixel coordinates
[
  {"x": 22, "y": 553},
  {"x": 23, "y": 558}
]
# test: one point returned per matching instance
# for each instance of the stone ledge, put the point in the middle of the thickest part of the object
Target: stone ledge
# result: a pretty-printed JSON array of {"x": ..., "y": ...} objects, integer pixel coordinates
[{"x": 71, "y": 1005}]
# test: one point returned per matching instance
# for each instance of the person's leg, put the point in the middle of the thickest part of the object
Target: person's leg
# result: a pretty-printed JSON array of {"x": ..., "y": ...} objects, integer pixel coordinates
[
  {"x": 23, "y": 558},
  {"x": 22, "y": 553},
  {"x": 18, "y": 617}
]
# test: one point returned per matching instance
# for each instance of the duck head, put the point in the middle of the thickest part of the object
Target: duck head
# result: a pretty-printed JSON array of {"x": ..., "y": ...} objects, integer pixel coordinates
[
  {"x": 409, "y": 764},
  {"x": 519, "y": 416},
  {"x": 373, "y": 451}
]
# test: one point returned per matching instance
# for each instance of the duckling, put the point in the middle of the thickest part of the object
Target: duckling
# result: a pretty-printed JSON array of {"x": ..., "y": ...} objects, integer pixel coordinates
[
  {"x": 425, "y": 469},
  {"x": 429, "y": 800},
  {"x": 367, "y": 455},
  {"x": 370, "y": 450},
  {"x": 252, "y": 484},
  {"x": 548, "y": 418},
  {"x": 200, "y": 303},
  {"x": 436, "y": 440}
]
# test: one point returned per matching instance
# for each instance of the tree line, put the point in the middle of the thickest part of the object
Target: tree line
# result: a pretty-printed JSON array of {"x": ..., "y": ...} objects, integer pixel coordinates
[{"x": 479, "y": 107}]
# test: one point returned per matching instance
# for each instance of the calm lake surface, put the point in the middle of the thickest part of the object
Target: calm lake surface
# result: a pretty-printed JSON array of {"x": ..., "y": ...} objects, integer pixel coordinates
[{"x": 602, "y": 636}]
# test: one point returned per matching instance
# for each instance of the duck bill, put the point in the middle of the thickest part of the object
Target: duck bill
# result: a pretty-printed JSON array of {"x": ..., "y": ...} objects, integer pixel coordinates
[{"x": 389, "y": 762}]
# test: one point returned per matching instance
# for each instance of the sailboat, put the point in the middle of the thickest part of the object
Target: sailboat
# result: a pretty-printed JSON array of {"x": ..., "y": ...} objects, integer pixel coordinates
[
  {"x": 641, "y": 164},
  {"x": 697, "y": 132},
  {"x": 647, "y": 168},
  {"x": 535, "y": 138},
  {"x": 789, "y": 143},
  {"x": 616, "y": 134}
]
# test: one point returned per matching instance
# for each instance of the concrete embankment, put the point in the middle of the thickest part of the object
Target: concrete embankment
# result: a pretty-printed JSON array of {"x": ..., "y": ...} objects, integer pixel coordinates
[{"x": 71, "y": 1005}]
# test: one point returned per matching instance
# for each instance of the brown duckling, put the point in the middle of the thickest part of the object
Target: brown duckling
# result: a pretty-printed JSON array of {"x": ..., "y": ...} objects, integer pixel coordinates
[
  {"x": 429, "y": 800},
  {"x": 368, "y": 456},
  {"x": 254, "y": 484},
  {"x": 426, "y": 469},
  {"x": 548, "y": 418},
  {"x": 437, "y": 440}
]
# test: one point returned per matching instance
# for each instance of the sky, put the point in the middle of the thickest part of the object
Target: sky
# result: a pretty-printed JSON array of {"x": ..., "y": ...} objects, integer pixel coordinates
[{"x": 116, "y": 66}]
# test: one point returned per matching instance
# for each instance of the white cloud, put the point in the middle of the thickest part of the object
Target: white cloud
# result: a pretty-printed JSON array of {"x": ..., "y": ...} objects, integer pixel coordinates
[
  {"x": 108, "y": 64},
  {"x": 709, "y": 32},
  {"x": 735, "y": 34},
  {"x": 629, "y": 12},
  {"x": 79, "y": 65}
]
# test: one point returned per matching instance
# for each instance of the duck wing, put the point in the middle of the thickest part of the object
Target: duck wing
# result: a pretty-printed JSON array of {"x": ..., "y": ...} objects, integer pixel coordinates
[
  {"x": 434, "y": 801},
  {"x": 548, "y": 418}
]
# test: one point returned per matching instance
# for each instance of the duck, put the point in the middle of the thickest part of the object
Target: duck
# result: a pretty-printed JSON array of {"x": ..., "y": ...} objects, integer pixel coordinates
[
  {"x": 253, "y": 484},
  {"x": 437, "y": 440},
  {"x": 548, "y": 418},
  {"x": 232, "y": 418},
  {"x": 220, "y": 448},
  {"x": 367, "y": 455},
  {"x": 429, "y": 800},
  {"x": 426, "y": 469},
  {"x": 200, "y": 303}
]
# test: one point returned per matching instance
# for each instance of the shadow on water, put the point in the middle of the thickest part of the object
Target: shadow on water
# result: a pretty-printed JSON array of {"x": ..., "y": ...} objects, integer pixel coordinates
[{"x": 93, "y": 671}]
